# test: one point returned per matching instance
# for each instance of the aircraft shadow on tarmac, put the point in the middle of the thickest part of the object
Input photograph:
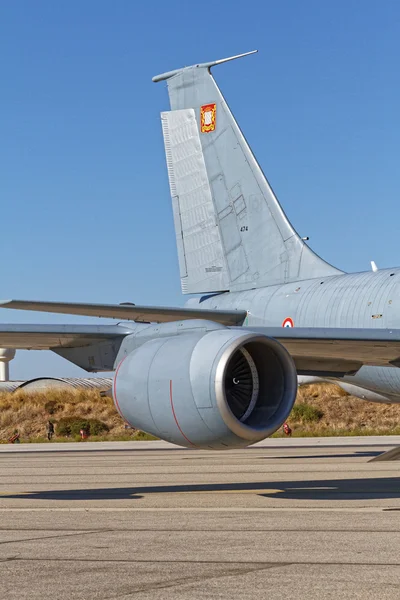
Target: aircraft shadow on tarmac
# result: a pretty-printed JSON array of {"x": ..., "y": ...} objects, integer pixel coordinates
[{"x": 325, "y": 489}]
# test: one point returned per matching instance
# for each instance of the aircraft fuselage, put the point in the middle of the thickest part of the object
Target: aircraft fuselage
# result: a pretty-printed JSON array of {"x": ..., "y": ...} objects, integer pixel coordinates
[{"x": 365, "y": 300}]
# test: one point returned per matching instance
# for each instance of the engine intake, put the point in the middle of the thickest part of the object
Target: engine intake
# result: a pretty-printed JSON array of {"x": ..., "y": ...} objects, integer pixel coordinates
[{"x": 216, "y": 389}]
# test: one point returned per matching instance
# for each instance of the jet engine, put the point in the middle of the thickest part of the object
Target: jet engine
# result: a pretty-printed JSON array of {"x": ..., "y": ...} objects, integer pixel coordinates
[{"x": 220, "y": 389}]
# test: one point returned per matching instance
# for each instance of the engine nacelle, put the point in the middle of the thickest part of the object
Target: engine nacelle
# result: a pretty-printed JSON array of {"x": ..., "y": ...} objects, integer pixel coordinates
[{"x": 220, "y": 389}]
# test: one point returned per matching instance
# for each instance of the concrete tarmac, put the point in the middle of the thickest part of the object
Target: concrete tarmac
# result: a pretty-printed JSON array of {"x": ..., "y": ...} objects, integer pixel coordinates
[{"x": 298, "y": 518}]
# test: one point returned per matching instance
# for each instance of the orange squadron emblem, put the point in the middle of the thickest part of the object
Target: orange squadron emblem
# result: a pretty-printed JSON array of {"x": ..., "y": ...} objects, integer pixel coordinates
[{"x": 208, "y": 114}]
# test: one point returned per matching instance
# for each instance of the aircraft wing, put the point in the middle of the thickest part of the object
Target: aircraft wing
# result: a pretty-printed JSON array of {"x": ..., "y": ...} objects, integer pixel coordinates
[
  {"x": 49, "y": 337},
  {"x": 129, "y": 312},
  {"x": 337, "y": 351},
  {"x": 320, "y": 351}
]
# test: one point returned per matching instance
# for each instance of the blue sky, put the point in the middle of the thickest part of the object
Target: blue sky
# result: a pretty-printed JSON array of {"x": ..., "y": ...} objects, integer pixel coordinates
[{"x": 85, "y": 207}]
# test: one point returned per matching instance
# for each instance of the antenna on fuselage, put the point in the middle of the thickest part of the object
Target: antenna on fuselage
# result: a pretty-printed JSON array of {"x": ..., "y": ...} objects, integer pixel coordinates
[{"x": 373, "y": 266}]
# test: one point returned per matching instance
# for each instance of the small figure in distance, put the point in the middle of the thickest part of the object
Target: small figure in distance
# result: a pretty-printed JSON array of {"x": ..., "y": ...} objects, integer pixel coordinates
[
  {"x": 49, "y": 430},
  {"x": 286, "y": 429},
  {"x": 14, "y": 439}
]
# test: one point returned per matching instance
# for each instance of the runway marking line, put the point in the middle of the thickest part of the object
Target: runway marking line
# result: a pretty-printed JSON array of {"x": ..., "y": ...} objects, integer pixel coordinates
[{"x": 232, "y": 509}]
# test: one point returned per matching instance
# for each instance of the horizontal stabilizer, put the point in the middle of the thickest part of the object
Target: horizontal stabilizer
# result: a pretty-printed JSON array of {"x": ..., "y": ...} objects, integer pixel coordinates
[{"x": 129, "y": 312}]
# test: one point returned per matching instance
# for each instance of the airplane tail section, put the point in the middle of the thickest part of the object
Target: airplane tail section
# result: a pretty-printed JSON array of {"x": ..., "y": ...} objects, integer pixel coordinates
[{"x": 231, "y": 231}]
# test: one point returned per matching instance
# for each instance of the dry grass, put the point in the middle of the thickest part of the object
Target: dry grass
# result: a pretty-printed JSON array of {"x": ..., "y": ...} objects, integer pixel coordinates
[
  {"x": 341, "y": 414},
  {"x": 29, "y": 414}
]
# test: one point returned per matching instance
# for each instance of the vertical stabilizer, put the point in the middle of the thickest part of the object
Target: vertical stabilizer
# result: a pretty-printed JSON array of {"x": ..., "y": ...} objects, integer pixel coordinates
[{"x": 232, "y": 233}]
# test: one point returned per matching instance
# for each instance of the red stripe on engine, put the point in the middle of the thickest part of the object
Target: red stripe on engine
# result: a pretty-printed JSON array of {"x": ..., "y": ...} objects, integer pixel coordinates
[
  {"x": 173, "y": 412},
  {"x": 115, "y": 389}
]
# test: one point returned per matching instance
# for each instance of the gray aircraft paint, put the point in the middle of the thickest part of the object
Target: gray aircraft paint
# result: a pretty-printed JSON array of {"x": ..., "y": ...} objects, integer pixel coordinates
[
  {"x": 229, "y": 223},
  {"x": 314, "y": 293},
  {"x": 264, "y": 269},
  {"x": 364, "y": 300}
]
